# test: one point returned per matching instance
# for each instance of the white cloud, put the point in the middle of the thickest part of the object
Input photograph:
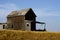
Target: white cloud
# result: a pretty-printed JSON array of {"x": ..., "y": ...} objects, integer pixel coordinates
[
  {"x": 42, "y": 12},
  {"x": 5, "y": 9}
]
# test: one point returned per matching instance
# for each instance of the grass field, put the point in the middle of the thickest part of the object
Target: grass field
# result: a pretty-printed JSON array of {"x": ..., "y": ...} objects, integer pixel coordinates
[{"x": 28, "y": 35}]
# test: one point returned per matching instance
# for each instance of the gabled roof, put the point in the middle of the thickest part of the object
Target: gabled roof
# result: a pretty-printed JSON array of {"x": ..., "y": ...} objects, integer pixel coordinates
[{"x": 19, "y": 12}]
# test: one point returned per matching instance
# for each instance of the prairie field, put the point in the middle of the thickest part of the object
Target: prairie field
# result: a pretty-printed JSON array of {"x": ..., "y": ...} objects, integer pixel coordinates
[{"x": 28, "y": 35}]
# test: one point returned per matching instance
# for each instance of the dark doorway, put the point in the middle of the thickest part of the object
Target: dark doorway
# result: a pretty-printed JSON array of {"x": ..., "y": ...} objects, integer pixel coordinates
[
  {"x": 3, "y": 26},
  {"x": 12, "y": 25},
  {"x": 33, "y": 26}
]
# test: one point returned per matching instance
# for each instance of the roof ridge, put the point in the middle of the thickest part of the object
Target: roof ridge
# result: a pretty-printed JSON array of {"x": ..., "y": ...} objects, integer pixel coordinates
[{"x": 19, "y": 12}]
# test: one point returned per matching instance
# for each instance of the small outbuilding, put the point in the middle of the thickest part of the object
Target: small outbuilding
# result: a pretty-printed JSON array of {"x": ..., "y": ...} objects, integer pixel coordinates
[
  {"x": 3, "y": 26},
  {"x": 24, "y": 19}
]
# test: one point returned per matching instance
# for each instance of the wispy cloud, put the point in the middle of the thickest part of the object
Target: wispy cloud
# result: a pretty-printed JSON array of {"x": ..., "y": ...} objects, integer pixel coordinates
[
  {"x": 5, "y": 9},
  {"x": 42, "y": 12}
]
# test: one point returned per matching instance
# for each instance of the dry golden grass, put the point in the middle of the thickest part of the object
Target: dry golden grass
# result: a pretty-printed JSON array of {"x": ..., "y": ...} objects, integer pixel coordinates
[{"x": 28, "y": 35}]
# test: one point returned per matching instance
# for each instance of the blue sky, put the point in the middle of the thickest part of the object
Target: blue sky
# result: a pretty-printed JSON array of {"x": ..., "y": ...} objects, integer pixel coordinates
[{"x": 46, "y": 10}]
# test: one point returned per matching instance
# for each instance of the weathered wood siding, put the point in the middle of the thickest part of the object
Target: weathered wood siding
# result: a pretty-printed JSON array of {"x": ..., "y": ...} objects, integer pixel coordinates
[
  {"x": 1, "y": 27},
  {"x": 15, "y": 22},
  {"x": 29, "y": 25}
]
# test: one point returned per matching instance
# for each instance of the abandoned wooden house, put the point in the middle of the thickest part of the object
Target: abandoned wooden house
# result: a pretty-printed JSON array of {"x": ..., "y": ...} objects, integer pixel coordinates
[{"x": 24, "y": 19}]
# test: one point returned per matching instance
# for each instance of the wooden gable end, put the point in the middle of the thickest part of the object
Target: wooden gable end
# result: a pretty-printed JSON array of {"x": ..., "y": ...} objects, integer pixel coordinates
[{"x": 30, "y": 15}]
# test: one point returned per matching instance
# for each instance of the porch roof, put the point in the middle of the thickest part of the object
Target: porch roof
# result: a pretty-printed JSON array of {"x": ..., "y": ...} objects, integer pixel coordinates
[{"x": 39, "y": 22}]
